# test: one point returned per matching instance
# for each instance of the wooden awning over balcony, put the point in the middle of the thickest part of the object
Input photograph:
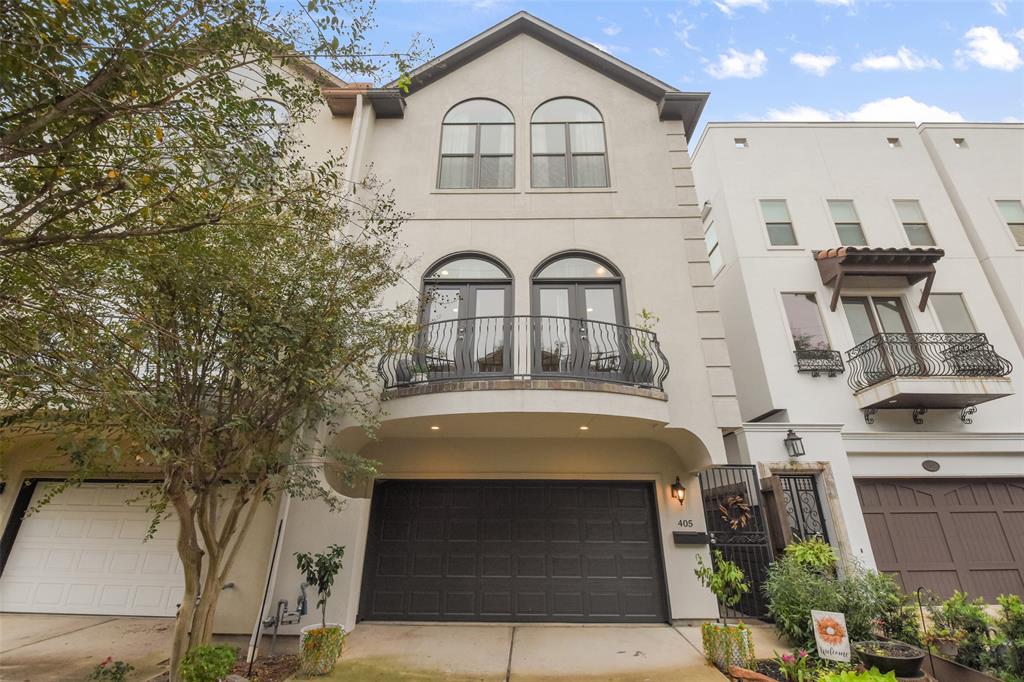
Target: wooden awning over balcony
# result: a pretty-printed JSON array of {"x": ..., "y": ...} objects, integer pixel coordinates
[{"x": 913, "y": 263}]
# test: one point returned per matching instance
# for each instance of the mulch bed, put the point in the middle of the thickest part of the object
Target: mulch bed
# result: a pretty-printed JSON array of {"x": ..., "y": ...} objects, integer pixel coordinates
[
  {"x": 269, "y": 668},
  {"x": 768, "y": 668}
]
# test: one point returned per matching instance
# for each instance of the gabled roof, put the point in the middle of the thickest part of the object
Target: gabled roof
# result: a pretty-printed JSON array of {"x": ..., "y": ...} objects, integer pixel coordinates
[{"x": 673, "y": 105}]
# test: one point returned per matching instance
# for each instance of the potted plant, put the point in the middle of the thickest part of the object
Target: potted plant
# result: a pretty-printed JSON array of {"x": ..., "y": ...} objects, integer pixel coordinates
[
  {"x": 725, "y": 645},
  {"x": 642, "y": 349},
  {"x": 963, "y": 622},
  {"x": 419, "y": 373},
  {"x": 898, "y": 657},
  {"x": 320, "y": 644}
]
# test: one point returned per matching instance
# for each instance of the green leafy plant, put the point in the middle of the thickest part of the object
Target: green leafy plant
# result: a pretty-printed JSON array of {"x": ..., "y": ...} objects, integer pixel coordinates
[
  {"x": 965, "y": 621},
  {"x": 1010, "y": 626},
  {"x": 793, "y": 666},
  {"x": 872, "y": 675},
  {"x": 724, "y": 578},
  {"x": 110, "y": 670},
  {"x": 319, "y": 571},
  {"x": 208, "y": 663},
  {"x": 897, "y": 615},
  {"x": 793, "y": 590},
  {"x": 813, "y": 553}
]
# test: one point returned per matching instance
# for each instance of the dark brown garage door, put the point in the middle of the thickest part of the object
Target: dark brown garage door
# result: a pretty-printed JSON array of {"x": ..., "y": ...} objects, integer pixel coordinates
[
  {"x": 945, "y": 535},
  {"x": 575, "y": 551}
]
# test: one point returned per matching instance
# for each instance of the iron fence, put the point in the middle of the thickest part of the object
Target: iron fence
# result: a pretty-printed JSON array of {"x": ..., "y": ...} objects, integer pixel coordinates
[
  {"x": 527, "y": 346},
  {"x": 923, "y": 355},
  {"x": 817, "y": 361}
]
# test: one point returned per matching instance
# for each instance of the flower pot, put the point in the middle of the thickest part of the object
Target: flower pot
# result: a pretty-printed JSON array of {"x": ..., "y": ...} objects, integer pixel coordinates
[
  {"x": 419, "y": 377},
  {"x": 320, "y": 648},
  {"x": 727, "y": 646},
  {"x": 901, "y": 658},
  {"x": 641, "y": 371}
]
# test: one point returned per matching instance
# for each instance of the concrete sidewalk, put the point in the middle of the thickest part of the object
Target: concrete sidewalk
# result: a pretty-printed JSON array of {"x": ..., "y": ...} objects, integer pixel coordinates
[
  {"x": 55, "y": 647},
  {"x": 521, "y": 653}
]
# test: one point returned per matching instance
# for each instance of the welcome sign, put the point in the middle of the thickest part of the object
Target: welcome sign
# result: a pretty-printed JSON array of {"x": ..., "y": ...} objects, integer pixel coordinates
[{"x": 831, "y": 636}]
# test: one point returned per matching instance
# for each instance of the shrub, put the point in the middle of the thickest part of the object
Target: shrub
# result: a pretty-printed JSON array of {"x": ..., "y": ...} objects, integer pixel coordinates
[
  {"x": 208, "y": 663},
  {"x": 813, "y": 553},
  {"x": 725, "y": 580},
  {"x": 872, "y": 675},
  {"x": 897, "y": 615},
  {"x": 111, "y": 671},
  {"x": 1010, "y": 623},
  {"x": 793, "y": 590},
  {"x": 966, "y": 622}
]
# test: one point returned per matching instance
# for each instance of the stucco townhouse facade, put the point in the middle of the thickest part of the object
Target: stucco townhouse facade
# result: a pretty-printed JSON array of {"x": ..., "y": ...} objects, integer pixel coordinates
[
  {"x": 544, "y": 432},
  {"x": 870, "y": 282},
  {"x": 611, "y": 358}
]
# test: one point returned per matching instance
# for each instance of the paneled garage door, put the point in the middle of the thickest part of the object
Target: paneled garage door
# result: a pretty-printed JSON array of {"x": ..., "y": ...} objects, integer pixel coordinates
[
  {"x": 83, "y": 552},
  {"x": 575, "y": 551},
  {"x": 948, "y": 534}
]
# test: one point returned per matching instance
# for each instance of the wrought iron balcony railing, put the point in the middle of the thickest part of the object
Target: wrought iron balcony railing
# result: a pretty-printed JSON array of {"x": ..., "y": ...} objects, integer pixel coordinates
[
  {"x": 526, "y": 346},
  {"x": 923, "y": 355},
  {"x": 817, "y": 361}
]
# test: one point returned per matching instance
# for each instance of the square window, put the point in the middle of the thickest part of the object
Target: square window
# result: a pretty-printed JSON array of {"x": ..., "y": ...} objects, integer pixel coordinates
[
  {"x": 893, "y": 142},
  {"x": 740, "y": 142},
  {"x": 959, "y": 143}
]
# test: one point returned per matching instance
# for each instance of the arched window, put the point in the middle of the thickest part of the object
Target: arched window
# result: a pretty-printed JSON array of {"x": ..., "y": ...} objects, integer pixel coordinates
[
  {"x": 578, "y": 298},
  {"x": 567, "y": 141},
  {"x": 477, "y": 143},
  {"x": 466, "y": 319}
]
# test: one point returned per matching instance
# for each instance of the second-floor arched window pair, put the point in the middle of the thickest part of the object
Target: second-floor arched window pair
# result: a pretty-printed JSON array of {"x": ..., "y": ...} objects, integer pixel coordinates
[{"x": 567, "y": 146}]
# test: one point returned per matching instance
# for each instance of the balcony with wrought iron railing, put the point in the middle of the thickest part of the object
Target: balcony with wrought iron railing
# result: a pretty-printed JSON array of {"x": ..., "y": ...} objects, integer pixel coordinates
[
  {"x": 927, "y": 371},
  {"x": 526, "y": 347}
]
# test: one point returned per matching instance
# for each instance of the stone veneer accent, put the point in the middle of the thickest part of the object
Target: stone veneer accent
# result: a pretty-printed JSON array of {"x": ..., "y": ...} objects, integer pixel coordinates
[{"x": 523, "y": 385}]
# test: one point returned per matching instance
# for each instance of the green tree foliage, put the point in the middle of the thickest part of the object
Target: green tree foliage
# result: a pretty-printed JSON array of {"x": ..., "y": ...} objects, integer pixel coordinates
[
  {"x": 724, "y": 578},
  {"x": 142, "y": 117}
]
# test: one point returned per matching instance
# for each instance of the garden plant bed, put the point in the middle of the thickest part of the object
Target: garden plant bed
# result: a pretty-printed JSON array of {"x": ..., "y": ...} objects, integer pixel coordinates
[{"x": 268, "y": 668}]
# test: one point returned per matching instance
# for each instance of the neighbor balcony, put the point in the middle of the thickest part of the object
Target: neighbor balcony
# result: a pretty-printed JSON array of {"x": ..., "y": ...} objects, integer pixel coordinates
[
  {"x": 927, "y": 371},
  {"x": 524, "y": 351}
]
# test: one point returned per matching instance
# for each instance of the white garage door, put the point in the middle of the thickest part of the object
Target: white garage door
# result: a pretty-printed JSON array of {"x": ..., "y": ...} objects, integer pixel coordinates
[{"x": 83, "y": 552}]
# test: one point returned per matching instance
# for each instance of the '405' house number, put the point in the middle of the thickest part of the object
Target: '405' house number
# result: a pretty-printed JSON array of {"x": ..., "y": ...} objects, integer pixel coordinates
[{"x": 685, "y": 523}]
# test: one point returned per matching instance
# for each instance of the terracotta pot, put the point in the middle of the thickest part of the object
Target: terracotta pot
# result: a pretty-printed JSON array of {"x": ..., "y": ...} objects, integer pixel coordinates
[{"x": 739, "y": 673}]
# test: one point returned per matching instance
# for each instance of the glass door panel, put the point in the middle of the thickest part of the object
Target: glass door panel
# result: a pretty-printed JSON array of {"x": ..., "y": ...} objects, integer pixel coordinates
[
  {"x": 440, "y": 343},
  {"x": 902, "y": 353},
  {"x": 605, "y": 343},
  {"x": 891, "y": 315},
  {"x": 488, "y": 330},
  {"x": 554, "y": 335},
  {"x": 858, "y": 315}
]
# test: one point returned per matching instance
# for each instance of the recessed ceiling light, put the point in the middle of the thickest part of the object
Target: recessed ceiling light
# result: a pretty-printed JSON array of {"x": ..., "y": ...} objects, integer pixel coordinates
[
  {"x": 893, "y": 401},
  {"x": 584, "y": 428},
  {"x": 590, "y": 310},
  {"x": 435, "y": 428}
]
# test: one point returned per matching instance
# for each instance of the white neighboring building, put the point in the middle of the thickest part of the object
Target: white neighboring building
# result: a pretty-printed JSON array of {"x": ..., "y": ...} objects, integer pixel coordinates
[{"x": 841, "y": 249}]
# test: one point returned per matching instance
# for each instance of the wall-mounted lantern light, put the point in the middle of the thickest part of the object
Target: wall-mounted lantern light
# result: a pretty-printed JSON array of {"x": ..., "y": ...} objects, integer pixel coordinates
[
  {"x": 794, "y": 444},
  {"x": 679, "y": 491}
]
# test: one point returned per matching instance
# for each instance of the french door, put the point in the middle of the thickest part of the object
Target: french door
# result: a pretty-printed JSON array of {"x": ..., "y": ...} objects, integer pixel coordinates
[
  {"x": 580, "y": 329},
  {"x": 467, "y": 330},
  {"x": 870, "y": 316}
]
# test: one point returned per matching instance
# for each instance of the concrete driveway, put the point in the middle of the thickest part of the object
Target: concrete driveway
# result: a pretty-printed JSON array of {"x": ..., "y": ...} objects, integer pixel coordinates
[
  {"x": 51, "y": 647},
  {"x": 521, "y": 653}
]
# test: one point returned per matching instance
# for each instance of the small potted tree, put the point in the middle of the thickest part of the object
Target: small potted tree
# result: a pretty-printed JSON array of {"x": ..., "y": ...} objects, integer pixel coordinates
[
  {"x": 320, "y": 644},
  {"x": 725, "y": 645},
  {"x": 642, "y": 349}
]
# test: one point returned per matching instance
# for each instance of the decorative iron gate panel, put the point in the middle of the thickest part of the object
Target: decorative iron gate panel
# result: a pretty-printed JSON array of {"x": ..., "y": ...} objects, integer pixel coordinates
[
  {"x": 734, "y": 513},
  {"x": 803, "y": 506}
]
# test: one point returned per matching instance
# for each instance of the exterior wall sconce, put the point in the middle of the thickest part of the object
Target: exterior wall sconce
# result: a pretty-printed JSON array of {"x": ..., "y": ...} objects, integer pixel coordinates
[
  {"x": 679, "y": 491},
  {"x": 794, "y": 444}
]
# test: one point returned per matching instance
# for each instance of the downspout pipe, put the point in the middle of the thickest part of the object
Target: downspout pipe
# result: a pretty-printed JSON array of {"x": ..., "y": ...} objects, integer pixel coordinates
[{"x": 275, "y": 561}]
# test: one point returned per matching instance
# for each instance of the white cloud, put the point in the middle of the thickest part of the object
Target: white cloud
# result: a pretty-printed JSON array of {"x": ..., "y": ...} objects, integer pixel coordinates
[
  {"x": 611, "y": 30},
  {"x": 835, "y": 3},
  {"x": 999, "y": 6},
  {"x": 683, "y": 28},
  {"x": 818, "y": 64},
  {"x": 889, "y": 109},
  {"x": 903, "y": 60},
  {"x": 1019, "y": 34},
  {"x": 729, "y": 6},
  {"x": 658, "y": 51},
  {"x": 986, "y": 47},
  {"x": 738, "y": 64}
]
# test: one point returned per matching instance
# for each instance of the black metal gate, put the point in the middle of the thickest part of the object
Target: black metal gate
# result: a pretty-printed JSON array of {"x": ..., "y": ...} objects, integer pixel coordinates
[
  {"x": 734, "y": 513},
  {"x": 803, "y": 506}
]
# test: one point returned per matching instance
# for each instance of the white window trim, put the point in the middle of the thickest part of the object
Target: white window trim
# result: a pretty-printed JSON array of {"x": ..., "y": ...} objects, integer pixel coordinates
[
  {"x": 832, "y": 222},
  {"x": 903, "y": 230},
  {"x": 1002, "y": 220},
  {"x": 764, "y": 226}
]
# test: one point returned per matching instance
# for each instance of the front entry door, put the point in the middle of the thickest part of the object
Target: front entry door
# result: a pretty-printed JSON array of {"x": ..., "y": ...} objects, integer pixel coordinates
[
  {"x": 580, "y": 331},
  {"x": 467, "y": 330}
]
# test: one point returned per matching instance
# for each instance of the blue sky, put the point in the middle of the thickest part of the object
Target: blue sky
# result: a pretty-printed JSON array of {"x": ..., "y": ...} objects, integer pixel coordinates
[{"x": 782, "y": 59}]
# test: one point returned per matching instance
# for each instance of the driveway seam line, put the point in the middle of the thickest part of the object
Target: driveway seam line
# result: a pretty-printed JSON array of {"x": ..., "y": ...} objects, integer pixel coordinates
[
  {"x": 511, "y": 644},
  {"x": 687, "y": 640},
  {"x": 59, "y": 634}
]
